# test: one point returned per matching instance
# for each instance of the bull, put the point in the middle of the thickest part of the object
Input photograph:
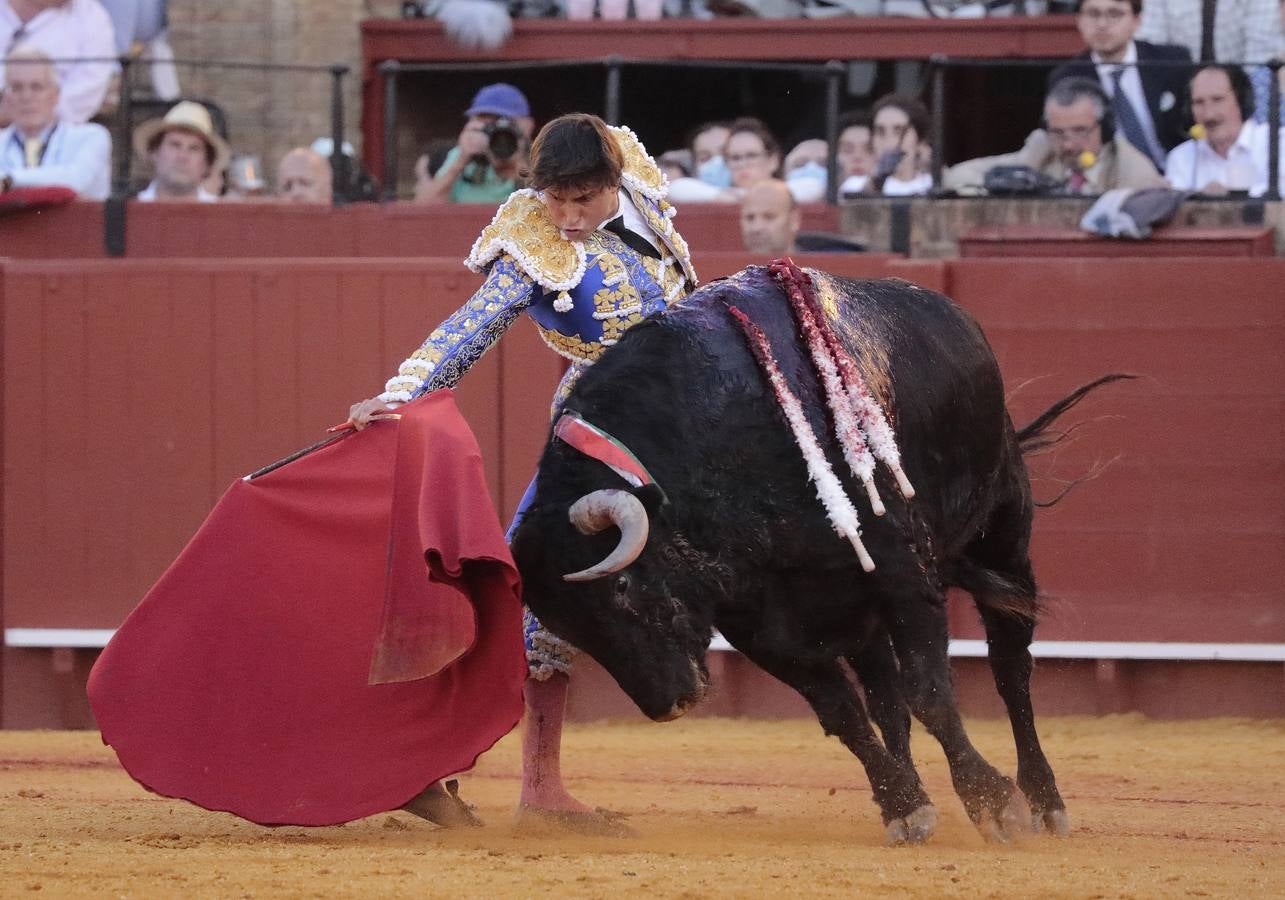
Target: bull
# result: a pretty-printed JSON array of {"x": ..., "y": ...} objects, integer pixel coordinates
[{"x": 729, "y": 535}]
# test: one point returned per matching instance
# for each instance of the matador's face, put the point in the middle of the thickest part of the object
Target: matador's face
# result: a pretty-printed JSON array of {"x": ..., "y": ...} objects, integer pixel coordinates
[{"x": 577, "y": 211}]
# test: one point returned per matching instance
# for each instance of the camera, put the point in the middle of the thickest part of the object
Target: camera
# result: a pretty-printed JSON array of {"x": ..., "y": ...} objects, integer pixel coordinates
[{"x": 503, "y": 137}]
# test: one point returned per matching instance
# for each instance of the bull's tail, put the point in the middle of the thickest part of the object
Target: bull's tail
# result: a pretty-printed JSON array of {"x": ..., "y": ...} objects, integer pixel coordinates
[{"x": 1036, "y": 436}]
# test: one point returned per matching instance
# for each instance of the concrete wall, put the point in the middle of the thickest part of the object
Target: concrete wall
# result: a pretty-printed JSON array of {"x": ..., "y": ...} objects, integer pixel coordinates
[{"x": 936, "y": 224}]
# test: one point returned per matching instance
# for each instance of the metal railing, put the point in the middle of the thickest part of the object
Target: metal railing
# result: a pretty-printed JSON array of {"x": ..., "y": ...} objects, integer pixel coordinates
[
  {"x": 831, "y": 72},
  {"x": 124, "y": 159},
  {"x": 613, "y": 67},
  {"x": 940, "y": 65}
]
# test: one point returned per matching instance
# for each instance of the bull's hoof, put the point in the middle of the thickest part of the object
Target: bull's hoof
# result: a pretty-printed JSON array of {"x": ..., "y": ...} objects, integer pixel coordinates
[
  {"x": 914, "y": 828},
  {"x": 1053, "y": 821},
  {"x": 597, "y": 822},
  {"x": 441, "y": 805},
  {"x": 1012, "y": 820}
]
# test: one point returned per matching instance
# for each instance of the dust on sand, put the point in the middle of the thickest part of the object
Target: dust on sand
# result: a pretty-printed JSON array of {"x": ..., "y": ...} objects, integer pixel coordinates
[{"x": 724, "y": 809}]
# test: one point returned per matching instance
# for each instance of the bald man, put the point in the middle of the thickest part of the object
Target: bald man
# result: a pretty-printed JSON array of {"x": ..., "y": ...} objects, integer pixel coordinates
[
  {"x": 303, "y": 176},
  {"x": 769, "y": 218}
]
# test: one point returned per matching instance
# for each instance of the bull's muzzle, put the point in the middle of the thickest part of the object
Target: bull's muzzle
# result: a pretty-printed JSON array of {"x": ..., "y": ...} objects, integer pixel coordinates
[{"x": 599, "y": 511}]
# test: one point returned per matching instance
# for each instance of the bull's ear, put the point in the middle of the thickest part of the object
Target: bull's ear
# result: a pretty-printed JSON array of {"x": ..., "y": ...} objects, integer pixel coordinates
[{"x": 652, "y": 498}]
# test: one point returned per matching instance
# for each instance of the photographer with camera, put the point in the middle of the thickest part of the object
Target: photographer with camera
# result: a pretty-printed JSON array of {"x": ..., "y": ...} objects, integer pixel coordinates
[{"x": 485, "y": 164}]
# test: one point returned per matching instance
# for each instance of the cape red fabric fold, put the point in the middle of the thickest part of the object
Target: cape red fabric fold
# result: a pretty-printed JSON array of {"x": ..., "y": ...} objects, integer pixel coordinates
[
  {"x": 340, "y": 633},
  {"x": 20, "y": 198}
]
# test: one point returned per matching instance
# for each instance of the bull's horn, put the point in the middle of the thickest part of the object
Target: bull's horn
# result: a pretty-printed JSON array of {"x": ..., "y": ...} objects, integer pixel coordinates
[{"x": 600, "y": 510}]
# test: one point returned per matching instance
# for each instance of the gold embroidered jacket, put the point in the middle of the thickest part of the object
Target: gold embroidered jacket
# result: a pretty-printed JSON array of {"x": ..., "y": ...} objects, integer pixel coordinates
[{"x": 582, "y": 295}]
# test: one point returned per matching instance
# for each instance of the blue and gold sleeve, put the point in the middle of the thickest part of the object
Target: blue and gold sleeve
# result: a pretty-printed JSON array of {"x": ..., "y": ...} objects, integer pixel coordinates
[{"x": 466, "y": 335}]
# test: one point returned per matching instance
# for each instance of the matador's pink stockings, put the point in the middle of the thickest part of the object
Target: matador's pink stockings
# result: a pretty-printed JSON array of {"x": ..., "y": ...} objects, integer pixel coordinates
[{"x": 546, "y": 706}]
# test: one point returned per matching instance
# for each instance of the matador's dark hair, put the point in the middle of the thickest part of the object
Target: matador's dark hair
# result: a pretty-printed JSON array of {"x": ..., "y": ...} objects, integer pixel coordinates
[{"x": 575, "y": 151}]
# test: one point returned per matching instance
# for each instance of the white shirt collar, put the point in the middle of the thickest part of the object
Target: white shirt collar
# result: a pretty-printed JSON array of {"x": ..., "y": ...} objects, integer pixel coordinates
[
  {"x": 43, "y": 136},
  {"x": 202, "y": 195},
  {"x": 1245, "y": 139},
  {"x": 1130, "y": 57},
  {"x": 633, "y": 219}
]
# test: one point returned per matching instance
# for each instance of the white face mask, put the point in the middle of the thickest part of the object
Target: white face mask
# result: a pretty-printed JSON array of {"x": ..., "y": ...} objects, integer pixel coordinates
[
  {"x": 810, "y": 169},
  {"x": 714, "y": 171}
]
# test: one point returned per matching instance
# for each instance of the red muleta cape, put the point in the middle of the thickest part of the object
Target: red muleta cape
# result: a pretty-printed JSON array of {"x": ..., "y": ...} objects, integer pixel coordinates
[{"x": 340, "y": 633}]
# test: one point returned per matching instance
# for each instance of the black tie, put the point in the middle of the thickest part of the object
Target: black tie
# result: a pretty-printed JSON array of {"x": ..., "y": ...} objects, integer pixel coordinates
[
  {"x": 1207, "y": 30},
  {"x": 1126, "y": 117},
  {"x": 635, "y": 240}
]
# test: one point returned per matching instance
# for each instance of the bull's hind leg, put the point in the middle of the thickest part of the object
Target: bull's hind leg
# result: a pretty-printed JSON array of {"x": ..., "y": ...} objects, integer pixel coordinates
[
  {"x": 908, "y": 815},
  {"x": 1008, "y": 639},
  {"x": 1003, "y": 587},
  {"x": 920, "y": 637}
]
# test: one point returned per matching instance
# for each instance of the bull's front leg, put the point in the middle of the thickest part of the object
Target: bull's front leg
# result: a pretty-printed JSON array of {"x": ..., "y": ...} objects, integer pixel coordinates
[
  {"x": 876, "y": 668},
  {"x": 908, "y": 815}
]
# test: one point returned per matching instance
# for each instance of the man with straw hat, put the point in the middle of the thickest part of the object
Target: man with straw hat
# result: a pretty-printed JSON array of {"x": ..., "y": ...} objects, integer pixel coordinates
[{"x": 185, "y": 149}]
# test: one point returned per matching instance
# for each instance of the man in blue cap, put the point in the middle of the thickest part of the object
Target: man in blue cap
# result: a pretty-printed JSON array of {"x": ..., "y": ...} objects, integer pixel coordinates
[{"x": 485, "y": 164}]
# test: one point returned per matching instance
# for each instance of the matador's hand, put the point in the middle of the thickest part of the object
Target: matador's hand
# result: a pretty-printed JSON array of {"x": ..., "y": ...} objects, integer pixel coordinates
[{"x": 360, "y": 415}]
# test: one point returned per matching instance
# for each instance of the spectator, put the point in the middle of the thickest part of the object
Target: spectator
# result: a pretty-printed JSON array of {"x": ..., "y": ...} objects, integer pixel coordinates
[
  {"x": 769, "y": 219},
  {"x": 141, "y": 28},
  {"x": 486, "y": 163},
  {"x": 244, "y": 179},
  {"x": 752, "y": 154},
  {"x": 185, "y": 150},
  {"x": 1231, "y": 153},
  {"x": 707, "y": 144},
  {"x": 856, "y": 153},
  {"x": 430, "y": 159},
  {"x": 1145, "y": 98},
  {"x": 1238, "y": 31},
  {"x": 1077, "y": 147},
  {"x": 805, "y": 170},
  {"x": 304, "y": 176},
  {"x": 711, "y": 180},
  {"x": 65, "y": 29},
  {"x": 812, "y": 151},
  {"x": 897, "y": 141},
  {"x": 38, "y": 149},
  {"x": 676, "y": 164}
]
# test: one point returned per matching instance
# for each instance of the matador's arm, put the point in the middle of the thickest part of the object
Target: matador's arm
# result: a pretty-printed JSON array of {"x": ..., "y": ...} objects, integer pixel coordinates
[{"x": 466, "y": 335}]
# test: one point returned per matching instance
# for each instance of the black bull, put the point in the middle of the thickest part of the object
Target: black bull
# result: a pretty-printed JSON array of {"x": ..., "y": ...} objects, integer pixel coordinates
[{"x": 737, "y": 539}]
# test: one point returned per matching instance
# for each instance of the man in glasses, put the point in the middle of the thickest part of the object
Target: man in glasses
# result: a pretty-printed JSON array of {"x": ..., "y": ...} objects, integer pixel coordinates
[
  {"x": 1078, "y": 150},
  {"x": 39, "y": 149},
  {"x": 1144, "y": 82}
]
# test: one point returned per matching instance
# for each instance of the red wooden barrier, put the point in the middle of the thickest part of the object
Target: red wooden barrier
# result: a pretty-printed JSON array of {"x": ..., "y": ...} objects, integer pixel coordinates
[
  {"x": 135, "y": 391},
  {"x": 253, "y": 230},
  {"x": 1183, "y": 535}
]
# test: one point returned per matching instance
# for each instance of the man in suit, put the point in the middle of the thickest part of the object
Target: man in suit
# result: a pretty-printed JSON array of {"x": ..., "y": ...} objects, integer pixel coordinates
[
  {"x": 1148, "y": 110},
  {"x": 1078, "y": 147}
]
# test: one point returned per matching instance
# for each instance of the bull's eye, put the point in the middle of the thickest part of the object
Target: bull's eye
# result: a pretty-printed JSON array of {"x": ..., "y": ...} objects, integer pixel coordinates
[{"x": 622, "y": 585}]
